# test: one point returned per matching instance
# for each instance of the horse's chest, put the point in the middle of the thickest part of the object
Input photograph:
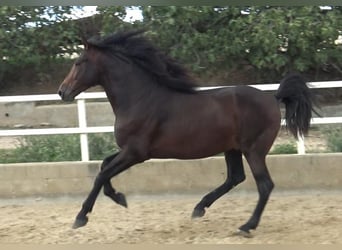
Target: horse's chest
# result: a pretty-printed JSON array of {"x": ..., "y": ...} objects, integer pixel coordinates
[{"x": 132, "y": 131}]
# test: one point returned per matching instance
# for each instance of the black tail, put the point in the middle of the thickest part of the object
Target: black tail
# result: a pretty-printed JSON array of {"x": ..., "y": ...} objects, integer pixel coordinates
[{"x": 298, "y": 100}]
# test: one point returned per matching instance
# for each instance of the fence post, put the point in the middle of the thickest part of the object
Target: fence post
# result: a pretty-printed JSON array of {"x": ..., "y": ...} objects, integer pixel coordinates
[
  {"x": 300, "y": 145},
  {"x": 82, "y": 123}
]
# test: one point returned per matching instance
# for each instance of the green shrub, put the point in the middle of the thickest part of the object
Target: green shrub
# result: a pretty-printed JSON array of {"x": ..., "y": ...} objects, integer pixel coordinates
[
  {"x": 333, "y": 135},
  {"x": 45, "y": 148},
  {"x": 52, "y": 148},
  {"x": 335, "y": 141},
  {"x": 7, "y": 156},
  {"x": 287, "y": 148},
  {"x": 101, "y": 145}
]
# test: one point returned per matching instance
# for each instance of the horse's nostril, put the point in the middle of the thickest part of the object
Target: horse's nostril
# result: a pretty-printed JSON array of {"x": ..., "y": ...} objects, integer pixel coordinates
[{"x": 60, "y": 93}]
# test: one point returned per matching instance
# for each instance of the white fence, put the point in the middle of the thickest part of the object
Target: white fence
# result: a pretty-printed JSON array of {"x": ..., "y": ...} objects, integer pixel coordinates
[{"x": 83, "y": 129}]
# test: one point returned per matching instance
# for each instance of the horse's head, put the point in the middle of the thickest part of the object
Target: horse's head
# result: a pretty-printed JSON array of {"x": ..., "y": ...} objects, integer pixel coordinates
[{"x": 83, "y": 74}]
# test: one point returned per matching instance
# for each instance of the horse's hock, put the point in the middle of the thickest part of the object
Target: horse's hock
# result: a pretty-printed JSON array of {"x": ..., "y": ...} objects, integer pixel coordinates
[{"x": 289, "y": 172}]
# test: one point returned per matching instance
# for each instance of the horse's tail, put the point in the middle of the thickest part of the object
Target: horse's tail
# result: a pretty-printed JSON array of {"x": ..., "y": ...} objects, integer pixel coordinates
[{"x": 298, "y": 100}]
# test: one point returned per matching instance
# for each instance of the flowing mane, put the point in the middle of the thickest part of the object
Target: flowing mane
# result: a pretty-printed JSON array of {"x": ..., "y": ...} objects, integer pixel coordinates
[{"x": 140, "y": 50}]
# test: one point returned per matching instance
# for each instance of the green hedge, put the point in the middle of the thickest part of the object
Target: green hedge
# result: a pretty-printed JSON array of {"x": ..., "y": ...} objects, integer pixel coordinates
[
  {"x": 335, "y": 140},
  {"x": 287, "y": 148},
  {"x": 54, "y": 148}
]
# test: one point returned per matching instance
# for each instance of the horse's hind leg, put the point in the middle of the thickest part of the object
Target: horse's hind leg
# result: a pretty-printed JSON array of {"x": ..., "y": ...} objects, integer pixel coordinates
[
  {"x": 235, "y": 176},
  {"x": 256, "y": 158},
  {"x": 264, "y": 185}
]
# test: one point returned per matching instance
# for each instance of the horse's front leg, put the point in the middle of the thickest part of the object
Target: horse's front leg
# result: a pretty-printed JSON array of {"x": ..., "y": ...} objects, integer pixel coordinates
[
  {"x": 118, "y": 163},
  {"x": 108, "y": 189}
]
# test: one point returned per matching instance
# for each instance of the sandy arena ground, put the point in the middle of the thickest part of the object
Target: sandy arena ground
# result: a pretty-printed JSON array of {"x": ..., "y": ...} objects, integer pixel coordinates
[{"x": 306, "y": 217}]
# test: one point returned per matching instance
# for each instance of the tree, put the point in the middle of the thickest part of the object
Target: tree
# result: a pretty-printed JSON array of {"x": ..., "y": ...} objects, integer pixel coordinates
[
  {"x": 212, "y": 41},
  {"x": 25, "y": 38},
  {"x": 273, "y": 40},
  {"x": 36, "y": 38}
]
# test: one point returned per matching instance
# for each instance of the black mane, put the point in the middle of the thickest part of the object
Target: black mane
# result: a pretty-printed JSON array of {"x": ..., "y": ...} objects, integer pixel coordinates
[{"x": 140, "y": 50}]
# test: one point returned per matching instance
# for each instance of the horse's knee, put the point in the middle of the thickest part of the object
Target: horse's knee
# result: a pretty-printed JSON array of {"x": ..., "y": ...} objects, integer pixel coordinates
[
  {"x": 108, "y": 190},
  {"x": 105, "y": 163},
  {"x": 241, "y": 178},
  {"x": 107, "y": 160},
  {"x": 238, "y": 179},
  {"x": 101, "y": 179}
]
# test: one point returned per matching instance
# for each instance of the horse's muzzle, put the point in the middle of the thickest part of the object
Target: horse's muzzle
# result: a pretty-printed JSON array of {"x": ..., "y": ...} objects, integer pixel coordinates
[{"x": 65, "y": 94}]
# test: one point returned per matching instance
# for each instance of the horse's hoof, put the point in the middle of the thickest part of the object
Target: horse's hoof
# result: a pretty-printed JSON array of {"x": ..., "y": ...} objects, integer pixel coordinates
[
  {"x": 246, "y": 234},
  {"x": 197, "y": 213},
  {"x": 80, "y": 222},
  {"x": 121, "y": 199}
]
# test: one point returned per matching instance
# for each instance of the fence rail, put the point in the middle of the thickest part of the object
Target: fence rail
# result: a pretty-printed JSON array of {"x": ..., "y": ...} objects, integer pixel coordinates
[{"x": 84, "y": 130}]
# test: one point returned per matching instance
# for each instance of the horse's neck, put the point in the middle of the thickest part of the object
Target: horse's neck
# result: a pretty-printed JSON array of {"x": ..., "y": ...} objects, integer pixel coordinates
[{"x": 125, "y": 96}]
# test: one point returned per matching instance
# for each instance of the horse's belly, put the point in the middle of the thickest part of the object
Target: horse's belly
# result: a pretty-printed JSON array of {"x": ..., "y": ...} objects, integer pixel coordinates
[{"x": 193, "y": 145}]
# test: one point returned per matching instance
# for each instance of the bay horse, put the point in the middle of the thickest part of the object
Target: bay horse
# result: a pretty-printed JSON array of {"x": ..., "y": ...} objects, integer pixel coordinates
[{"x": 160, "y": 114}]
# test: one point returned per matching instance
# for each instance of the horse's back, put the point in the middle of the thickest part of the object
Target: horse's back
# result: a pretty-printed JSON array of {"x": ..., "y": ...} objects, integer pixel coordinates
[
  {"x": 253, "y": 109},
  {"x": 256, "y": 100},
  {"x": 249, "y": 102}
]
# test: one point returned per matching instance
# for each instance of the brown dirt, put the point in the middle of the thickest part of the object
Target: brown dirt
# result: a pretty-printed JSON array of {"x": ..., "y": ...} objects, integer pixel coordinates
[{"x": 301, "y": 217}]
